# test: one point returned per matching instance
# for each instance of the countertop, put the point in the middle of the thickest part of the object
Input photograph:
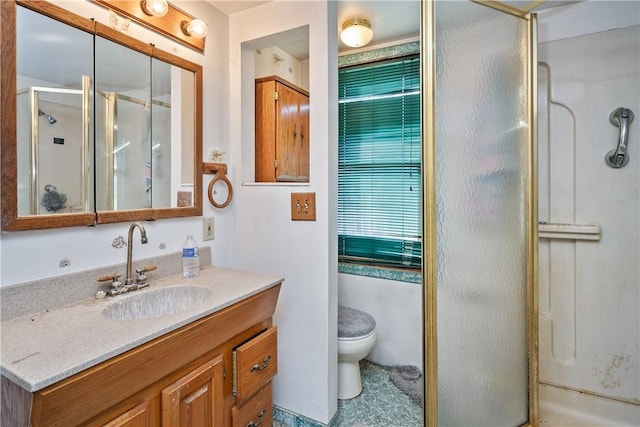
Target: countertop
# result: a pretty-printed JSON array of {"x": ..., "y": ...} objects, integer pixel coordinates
[{"x": 44, "y": 348}]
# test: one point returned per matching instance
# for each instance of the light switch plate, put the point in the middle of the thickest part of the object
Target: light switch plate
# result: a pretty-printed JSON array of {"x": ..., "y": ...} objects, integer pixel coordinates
[
  {"x": 303, "y": 206},
  {"x": 207, "y": 228}
]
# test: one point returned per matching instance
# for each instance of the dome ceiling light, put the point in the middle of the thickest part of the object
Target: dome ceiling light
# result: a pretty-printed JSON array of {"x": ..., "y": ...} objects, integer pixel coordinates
[{"x": 356, "y": 32}]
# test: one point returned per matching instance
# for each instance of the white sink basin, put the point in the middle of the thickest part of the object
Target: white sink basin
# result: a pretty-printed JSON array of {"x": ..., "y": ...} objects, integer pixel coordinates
[{"x": 149, "y": 303}]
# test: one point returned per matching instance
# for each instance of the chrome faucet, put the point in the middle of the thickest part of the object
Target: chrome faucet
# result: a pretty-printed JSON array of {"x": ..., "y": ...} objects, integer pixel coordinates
[
  {"x": 130, "y": 284},
  {"x": 143, "y": 239}
]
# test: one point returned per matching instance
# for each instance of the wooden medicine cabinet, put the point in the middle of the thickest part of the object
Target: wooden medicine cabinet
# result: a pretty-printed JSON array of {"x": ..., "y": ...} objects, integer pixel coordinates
[
  {"x": 97, "y": 127},
  {"x": 282, "y": 131}
]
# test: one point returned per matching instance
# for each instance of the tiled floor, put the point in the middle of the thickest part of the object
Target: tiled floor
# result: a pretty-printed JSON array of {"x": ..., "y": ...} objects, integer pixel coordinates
[{"x": 381, "y": 404}]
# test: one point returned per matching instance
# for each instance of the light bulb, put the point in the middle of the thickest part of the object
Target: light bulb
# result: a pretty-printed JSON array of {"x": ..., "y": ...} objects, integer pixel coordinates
[
  {"x": 157, "y": 8},
  {"x": 197, "y": 28}
]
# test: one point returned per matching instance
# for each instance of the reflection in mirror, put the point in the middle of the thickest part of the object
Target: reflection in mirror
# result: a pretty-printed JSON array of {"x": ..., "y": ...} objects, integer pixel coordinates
[
  {"x": 146, "y": 119},
  {"x": 123, "y": 127},
  {"x": 145, "y": 151},
  {"x": 54, "y": 62},
  {"x": 172, "y": 160}
]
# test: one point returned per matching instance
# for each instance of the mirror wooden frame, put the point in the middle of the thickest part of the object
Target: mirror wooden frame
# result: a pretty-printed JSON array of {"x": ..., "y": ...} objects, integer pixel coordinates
[{"x": 11, "y": 221}]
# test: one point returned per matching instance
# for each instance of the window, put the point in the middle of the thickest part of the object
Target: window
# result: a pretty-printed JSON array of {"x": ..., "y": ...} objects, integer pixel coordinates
[{"x": 379, "y": 164}]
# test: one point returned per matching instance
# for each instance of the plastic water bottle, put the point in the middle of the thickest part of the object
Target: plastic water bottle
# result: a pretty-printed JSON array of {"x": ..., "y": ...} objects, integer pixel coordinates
[{"x": 190, "y": 260}]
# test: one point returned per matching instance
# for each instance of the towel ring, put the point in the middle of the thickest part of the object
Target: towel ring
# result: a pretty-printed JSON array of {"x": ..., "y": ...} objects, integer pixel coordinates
[{"x": 220, "y": 171}]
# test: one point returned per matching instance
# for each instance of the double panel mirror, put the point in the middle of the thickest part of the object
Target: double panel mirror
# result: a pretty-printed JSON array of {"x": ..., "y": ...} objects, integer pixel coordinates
[{"x": 96, "y": 127}]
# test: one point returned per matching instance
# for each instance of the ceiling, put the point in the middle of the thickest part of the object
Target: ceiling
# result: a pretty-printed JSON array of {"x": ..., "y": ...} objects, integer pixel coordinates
[
  {"x": 390, "y": 20},
  {"x": 231, "y": 7}
]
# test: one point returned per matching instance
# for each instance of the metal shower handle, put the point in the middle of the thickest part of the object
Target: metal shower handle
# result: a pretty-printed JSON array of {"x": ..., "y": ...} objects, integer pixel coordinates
[{"x": 620, "y": 117}]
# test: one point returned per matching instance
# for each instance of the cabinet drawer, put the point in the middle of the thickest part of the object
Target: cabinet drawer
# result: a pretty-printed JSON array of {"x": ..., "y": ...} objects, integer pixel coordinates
[
  {"x": 257, "y": 411},
  {"x": 254, "y": 363}
]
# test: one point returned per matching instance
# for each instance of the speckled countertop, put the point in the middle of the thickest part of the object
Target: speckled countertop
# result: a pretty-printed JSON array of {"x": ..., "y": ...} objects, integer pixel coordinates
[{"x": 43, "y": 348}]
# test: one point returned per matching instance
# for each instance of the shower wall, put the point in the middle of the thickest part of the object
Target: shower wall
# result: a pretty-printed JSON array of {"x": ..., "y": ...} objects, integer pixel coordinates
[{"x": 589, "y": 295}]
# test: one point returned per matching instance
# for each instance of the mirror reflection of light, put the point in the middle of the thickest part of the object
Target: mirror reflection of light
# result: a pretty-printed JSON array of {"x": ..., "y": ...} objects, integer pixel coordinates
[
  {"x": 121, "y": 147},
  {"x": 52, "y": 38},
  {"x": 155, "y": 146}
]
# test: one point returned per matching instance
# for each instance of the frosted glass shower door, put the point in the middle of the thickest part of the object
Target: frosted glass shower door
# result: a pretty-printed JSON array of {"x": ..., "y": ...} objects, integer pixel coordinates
[{"x": 482, "y": 153}]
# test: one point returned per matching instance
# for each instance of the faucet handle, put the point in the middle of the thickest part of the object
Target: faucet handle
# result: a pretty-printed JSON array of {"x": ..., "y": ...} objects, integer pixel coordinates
[
  {"x": 145, "y": 269},
  {"x": 112, "y": 277},
  {"x": 142, "y": 278},
  {"x": 115, "y": 284}
]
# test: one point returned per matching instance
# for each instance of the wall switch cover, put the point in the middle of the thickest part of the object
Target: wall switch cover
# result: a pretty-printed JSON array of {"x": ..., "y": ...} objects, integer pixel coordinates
[
  {"x": 303, "y": 206},
  {"x": 207, "y": 228}
]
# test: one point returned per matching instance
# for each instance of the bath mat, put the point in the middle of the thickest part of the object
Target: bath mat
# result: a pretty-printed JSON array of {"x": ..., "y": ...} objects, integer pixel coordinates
[{"x": 408, "y": 379}]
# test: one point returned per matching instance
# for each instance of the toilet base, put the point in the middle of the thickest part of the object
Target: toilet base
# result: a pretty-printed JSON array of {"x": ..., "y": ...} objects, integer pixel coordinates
[{"x": 349, "y": 382}]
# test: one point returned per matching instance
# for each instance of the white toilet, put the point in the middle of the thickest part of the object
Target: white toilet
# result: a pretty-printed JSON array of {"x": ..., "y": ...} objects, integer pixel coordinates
[{"x": 356, "y": 338}]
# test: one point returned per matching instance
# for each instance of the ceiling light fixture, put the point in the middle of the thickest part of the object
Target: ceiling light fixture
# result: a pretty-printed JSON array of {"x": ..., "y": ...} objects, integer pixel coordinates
[
  {"x": 356, "y": 32},
  {"x": 196, "y": 28},
  {"x": 156, "y": 8}
]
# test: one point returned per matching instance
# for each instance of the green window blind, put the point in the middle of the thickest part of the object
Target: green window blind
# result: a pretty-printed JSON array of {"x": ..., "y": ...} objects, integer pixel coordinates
[{"x": 379, "y": 164}]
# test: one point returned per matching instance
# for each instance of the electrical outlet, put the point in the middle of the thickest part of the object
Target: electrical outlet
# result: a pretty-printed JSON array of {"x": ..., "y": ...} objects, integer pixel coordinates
[
  {"x": 303, "y": 206},
  {"x": 207, "y": 228}
]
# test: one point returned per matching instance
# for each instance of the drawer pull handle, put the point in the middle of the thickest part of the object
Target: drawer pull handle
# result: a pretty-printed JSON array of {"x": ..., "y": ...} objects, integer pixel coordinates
[
  {"x": 264, "y": 365},
  {"x": 260, "y": 419}
]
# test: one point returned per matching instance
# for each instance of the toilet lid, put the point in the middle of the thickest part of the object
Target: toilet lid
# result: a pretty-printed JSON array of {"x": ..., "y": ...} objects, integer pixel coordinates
[{"x": 354, "y": 323}]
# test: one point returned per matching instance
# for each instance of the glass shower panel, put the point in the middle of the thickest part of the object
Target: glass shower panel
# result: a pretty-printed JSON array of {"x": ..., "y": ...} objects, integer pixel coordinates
[{"x": 481, "y": 174}]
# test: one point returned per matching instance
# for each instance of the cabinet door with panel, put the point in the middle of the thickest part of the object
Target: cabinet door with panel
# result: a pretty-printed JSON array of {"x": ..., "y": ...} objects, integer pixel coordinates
[
  {"x": 282, "y": 131},
  {"x": 139, "y": 416},
  {"x": 196, "y": 400}
]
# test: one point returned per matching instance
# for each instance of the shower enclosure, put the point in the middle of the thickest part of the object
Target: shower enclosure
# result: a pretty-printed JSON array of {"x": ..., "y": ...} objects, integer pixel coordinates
[
  {"x": 482, "y": 228},
  {"x": 53, "y": 150},
  {"x": 480, "y": 216}
]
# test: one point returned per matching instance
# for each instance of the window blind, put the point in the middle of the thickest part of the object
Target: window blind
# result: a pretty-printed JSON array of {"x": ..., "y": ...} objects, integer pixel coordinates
[{"x": 379, "y": 163}]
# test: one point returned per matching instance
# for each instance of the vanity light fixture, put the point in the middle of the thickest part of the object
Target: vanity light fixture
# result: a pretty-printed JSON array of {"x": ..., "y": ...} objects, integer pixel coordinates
[
  {"x": 157, "y": 8},
  {"x": 196, "y": 28},
  {"x": 162, "y": 17},
  {"x": 356, "y": 32}
]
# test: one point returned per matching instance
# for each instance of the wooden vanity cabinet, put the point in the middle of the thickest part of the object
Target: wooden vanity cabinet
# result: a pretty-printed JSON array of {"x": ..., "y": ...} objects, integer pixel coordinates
[
  {"x": 183, "y": 378},
  {"x": 282, "y": 131}
]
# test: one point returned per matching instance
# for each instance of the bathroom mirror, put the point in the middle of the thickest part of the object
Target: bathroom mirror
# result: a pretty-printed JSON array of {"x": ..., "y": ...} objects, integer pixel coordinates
[{"x": 86, "y": 141}]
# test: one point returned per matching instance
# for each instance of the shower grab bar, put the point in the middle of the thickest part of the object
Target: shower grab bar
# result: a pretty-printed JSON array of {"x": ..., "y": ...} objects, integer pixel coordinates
[{"x": 620, "y": 117}]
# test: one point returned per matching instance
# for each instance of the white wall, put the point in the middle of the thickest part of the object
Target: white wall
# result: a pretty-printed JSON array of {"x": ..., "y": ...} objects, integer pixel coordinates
[
  {"x": 32, "y": 255},
  {"x": 397, "y": 308},
  {"x": 264, "y": 237},
  {"x": 589, "y": 332},
  {"x": 273, "y": 61}
]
